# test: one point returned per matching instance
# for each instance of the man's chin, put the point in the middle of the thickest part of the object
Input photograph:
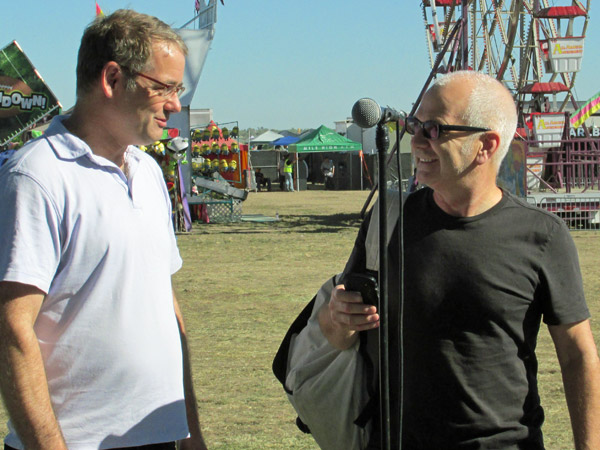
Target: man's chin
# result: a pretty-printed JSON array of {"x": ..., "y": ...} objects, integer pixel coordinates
[{"x": 153, "y": 137}]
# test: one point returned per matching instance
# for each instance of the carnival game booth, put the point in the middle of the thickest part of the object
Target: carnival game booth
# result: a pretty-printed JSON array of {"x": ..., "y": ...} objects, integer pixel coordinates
[
  {"x": 269, "y": 158},
  {"x": 219, "y": 173},
  {"x": 346, "y": 155}
]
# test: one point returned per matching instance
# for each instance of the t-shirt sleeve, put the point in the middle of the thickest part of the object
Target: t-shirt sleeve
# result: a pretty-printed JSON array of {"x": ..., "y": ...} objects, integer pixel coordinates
[
  {"x": 562, "y": 285},
  {"x": 30, "y": 244},
  {"x": 176, "y": 261}
]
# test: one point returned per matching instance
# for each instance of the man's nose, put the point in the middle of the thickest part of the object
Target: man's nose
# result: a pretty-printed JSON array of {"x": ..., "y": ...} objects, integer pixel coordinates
[{"x": 173, "y": 103}]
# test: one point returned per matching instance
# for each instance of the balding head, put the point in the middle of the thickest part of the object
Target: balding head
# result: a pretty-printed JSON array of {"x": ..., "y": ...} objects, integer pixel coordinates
[{"x": 486, "y": 103}]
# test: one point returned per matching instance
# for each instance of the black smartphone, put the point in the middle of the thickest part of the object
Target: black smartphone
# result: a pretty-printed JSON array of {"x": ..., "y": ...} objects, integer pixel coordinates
[{"x": 365, "y": 284}]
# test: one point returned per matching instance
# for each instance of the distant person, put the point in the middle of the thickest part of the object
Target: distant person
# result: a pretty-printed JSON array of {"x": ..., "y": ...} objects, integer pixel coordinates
[
  {"x": 304, "y": 169},
  {"x": 288, "y": 172},
  {"x": 261, "y": 180},
  {"x": 92, "y": 343},
  {"x": 328, "y": 171},
  {"x": 280, "y": 171}
]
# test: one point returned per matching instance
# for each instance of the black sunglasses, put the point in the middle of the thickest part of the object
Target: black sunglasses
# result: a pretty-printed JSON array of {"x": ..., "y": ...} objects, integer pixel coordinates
[{"x": 432, "y": 130}]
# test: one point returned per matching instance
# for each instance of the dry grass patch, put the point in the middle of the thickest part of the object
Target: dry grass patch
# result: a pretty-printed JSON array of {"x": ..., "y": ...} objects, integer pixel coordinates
[{"x": 241, "y": 286}]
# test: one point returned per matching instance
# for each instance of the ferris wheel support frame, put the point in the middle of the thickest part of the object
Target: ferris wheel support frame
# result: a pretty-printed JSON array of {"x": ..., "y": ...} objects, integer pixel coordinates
[{"x": 525, "y": 33}]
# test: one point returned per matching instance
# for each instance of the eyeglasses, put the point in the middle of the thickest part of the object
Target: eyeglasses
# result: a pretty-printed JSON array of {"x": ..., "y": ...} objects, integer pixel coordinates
[
  {"x": 165, "y": 90},
  {"x": 432, "y": 130}
]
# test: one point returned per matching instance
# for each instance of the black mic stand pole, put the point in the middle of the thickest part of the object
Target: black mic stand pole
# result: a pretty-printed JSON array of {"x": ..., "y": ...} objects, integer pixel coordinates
[{"x": 382, "y": 141}]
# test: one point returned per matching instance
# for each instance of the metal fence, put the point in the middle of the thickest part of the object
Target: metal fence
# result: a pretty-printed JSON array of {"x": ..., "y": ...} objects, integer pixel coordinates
[{"x": 579, "y": 212}]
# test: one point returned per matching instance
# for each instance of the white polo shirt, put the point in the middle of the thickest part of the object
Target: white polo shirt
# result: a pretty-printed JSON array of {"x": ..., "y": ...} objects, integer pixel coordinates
[{"x": 102, "y": 247}]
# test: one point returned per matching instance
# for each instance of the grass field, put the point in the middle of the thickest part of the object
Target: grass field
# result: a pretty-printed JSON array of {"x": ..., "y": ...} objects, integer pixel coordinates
[{"x": 243, "y": 283}]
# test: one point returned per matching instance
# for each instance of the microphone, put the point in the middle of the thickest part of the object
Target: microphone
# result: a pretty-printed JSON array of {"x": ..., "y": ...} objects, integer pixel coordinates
[{"x": 367, "y": 113}]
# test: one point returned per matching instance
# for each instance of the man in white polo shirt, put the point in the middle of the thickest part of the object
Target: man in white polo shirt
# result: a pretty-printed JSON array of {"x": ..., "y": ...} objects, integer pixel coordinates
[{"x": 92, "y": 343}]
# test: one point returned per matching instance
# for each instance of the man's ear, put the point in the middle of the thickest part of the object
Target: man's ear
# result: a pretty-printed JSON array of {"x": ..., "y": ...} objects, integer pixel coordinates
[
  {"x": 490, "y": 141},
  {"x": 111, "y": 77}
]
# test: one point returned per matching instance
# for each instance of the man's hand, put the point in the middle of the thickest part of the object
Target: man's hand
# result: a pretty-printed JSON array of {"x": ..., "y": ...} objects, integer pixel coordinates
[
  {"x": 580, "y": 367},
  {"x": 345, "y": 316}
]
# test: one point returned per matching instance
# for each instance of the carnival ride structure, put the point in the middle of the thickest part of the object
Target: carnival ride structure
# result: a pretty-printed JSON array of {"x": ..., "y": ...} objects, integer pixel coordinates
[
  {"x": 211, "y": 173},
  {"x": 535, "y": 49}
]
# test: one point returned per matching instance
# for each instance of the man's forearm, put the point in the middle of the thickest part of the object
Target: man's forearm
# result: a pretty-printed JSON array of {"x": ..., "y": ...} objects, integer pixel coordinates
[
  {"x": 196, "y": 440},
  {"x": 581, "y": 380},
  {"x": 25, "y": 391}
]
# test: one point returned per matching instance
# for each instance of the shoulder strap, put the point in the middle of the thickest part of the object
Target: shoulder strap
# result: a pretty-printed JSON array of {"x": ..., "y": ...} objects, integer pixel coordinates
[
  {"x": 281, "y": 358},
  {"x": 372, "y": 239}
]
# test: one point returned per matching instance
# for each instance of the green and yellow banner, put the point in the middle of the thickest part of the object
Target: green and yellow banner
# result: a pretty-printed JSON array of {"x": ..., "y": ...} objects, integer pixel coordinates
[{"x": 25, "y": 99}]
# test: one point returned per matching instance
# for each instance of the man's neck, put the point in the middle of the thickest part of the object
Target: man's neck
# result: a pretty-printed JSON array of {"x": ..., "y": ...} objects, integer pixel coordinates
[
  {"x": 468, "y": 203},
  {"x": 91, "y": 129}
]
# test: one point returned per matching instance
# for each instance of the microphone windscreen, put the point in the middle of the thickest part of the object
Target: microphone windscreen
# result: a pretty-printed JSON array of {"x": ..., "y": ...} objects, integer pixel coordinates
[{"x": 366, "y": 113}]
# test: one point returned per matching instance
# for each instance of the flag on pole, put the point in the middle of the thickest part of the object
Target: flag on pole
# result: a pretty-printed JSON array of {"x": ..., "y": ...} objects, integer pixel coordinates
[
  {"x": 197, "y": 5},
  {"x": 99, "y": 12},
  {"x": 580, "y": 116}
]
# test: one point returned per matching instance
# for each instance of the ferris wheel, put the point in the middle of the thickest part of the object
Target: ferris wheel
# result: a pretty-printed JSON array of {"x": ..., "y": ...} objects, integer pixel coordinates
[{"x": 533, "y": 47}]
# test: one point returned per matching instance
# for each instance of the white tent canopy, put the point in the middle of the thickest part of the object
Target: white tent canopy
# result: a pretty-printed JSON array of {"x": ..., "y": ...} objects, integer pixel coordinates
[{"x": 266, "y": 138}]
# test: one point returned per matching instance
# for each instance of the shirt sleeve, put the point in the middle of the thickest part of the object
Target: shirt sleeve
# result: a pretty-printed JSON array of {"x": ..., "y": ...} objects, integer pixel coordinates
[
  {"x": 561, "y": 281},
  {"x": 30, "y": 244}
]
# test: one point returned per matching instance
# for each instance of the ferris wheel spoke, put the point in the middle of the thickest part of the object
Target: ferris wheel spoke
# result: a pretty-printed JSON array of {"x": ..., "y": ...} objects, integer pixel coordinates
[{"x": 516, "y": 41}]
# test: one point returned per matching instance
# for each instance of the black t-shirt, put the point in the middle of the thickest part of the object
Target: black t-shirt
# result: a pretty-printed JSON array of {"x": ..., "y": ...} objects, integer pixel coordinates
[{"x": 475, "y": 291}]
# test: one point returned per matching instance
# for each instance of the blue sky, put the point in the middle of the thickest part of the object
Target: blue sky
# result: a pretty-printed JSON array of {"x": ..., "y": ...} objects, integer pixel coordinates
[{"x": 273, "y": 63}]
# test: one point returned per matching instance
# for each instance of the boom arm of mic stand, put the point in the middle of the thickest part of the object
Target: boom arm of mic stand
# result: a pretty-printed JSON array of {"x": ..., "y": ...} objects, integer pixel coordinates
[{"x": 434, "y": 70}]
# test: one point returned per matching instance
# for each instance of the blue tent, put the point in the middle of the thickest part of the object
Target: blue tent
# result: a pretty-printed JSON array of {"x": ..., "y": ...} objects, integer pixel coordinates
[{"x": 286, "y": 140}]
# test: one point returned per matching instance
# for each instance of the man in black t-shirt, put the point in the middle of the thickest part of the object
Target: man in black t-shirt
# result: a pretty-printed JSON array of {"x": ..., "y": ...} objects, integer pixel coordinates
[{"x": 481, "y": 271}]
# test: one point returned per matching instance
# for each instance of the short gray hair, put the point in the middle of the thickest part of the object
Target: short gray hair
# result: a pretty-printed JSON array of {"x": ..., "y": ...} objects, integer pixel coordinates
[{"x": 490, "y": 105}]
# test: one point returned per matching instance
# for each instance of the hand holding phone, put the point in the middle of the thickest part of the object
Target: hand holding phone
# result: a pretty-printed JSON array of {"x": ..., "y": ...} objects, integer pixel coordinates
[{"x": 365, "y": 284}]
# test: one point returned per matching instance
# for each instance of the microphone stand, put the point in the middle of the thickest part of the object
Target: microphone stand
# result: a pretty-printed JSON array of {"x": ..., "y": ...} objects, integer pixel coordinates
[{"x": 382, "y": 141}]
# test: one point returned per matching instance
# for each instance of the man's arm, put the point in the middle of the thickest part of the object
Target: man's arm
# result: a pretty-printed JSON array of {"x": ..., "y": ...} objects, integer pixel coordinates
[
  {"x": 23, "y": 380},
  {"x": 580, "y": 367},
  {"x": 195, "y": 441},
  {"x": 344, "y": 316}
]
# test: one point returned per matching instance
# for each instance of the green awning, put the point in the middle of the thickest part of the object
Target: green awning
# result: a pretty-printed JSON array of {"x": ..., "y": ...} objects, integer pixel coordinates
[{"x": 324, "y": 139}]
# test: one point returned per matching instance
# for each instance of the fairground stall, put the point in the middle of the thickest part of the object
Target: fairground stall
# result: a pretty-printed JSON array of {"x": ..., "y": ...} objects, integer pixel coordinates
[
  {"x": 206, "y": 194},
  {"x": 219, "y": 173},
  {"x": 340, "y": 149}
]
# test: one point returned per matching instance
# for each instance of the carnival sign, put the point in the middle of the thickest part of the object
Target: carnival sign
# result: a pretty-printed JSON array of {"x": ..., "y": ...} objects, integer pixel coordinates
[{"x": 25, "y": 99}]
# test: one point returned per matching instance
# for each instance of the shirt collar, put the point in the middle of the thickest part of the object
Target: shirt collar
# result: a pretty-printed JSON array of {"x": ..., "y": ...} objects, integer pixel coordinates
[
  {"x": 65, "y": 144},
  {"x": 68, "y": 146}
]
